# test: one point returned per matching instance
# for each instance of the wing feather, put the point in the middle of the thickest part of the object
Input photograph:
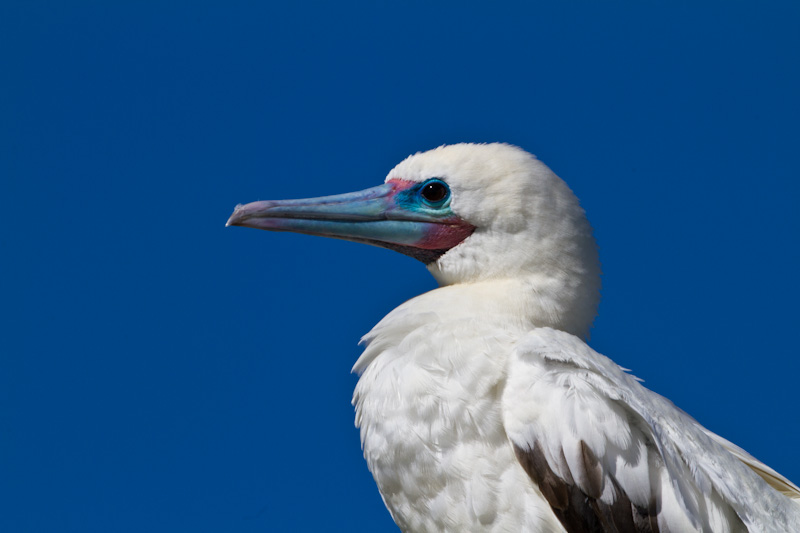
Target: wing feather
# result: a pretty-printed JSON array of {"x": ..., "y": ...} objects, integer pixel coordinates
[
  {"x": 773, "y": 478},
  {"x": 611, "y": 456}
]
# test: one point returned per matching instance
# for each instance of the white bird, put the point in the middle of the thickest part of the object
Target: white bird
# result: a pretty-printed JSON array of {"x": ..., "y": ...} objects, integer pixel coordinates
[{"x": 480, "y": 406}]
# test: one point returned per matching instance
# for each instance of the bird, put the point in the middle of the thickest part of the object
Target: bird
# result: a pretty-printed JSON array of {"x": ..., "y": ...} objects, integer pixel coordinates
[{"x": 480, "y": 405}]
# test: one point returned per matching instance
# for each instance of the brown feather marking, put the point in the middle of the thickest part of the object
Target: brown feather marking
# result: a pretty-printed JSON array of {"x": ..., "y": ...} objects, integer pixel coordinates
[
  {"x": 579, "y": 512},
  {"x": 568, "y": 479},
  {"x": 572, "y": 508},
  {"x": 646, "y": 520},
  {"x": 553, "y": 489},
  {"x": 621, "y": 511},
  {"x": 594, "y": 474}
]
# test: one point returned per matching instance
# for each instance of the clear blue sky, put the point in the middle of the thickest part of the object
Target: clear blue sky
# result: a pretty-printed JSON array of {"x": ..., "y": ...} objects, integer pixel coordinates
[{"x": 159, "y": 372}]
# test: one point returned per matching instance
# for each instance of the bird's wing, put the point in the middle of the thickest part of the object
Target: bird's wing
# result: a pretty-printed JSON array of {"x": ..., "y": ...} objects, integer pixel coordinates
[
  {"x": 773, "y": 478},
  {"x": 610, "y": 455}
]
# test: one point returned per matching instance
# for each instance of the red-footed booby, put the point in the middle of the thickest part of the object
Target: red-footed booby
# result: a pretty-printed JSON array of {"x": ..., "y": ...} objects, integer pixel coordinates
[{"x": 480, "y": 406}]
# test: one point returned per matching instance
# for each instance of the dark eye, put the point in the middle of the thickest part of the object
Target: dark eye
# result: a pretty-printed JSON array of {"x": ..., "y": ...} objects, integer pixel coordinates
[{"x": 434, "y": 192}]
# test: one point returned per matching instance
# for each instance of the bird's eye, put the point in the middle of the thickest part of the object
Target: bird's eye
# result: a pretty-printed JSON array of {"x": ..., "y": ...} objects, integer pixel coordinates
[{"x": 435, "y": 192}]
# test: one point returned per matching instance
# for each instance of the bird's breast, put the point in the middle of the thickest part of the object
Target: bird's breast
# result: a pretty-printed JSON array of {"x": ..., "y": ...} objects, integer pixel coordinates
[{"x": 428, "y": 406}]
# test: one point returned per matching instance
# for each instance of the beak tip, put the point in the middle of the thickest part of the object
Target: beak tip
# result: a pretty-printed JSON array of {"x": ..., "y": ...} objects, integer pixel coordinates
[{"x": 236, "y": 217}]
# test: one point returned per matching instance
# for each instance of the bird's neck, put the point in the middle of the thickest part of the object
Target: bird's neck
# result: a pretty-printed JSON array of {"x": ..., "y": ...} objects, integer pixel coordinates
[
  {"x": 561, "y": 301},
  {"x": 535, "y": 281},
  {"x": 519, "y": 304}
]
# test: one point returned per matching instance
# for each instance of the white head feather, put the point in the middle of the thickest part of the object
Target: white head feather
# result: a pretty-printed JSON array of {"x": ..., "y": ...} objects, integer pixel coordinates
[{"x": 529, "y": 229}]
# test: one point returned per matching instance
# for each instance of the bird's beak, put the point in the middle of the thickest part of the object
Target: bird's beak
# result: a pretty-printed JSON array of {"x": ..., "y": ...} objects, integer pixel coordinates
[{"x": 383, "y": 216}]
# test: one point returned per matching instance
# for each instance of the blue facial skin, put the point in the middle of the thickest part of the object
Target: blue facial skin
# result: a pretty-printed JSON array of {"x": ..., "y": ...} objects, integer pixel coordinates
[{"x": 414, "y": 199}]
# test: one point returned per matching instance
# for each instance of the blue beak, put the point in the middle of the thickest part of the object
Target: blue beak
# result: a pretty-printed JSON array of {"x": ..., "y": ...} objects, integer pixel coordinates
[{"x": 385, "y": 216}]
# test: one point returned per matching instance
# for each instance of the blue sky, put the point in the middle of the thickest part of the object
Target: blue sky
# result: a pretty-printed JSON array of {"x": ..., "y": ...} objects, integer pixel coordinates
[{"x": 161, "y": 372}]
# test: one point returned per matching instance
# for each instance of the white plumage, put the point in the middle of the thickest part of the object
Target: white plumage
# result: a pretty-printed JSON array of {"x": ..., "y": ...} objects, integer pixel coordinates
[{"x": 482, "y": 409}]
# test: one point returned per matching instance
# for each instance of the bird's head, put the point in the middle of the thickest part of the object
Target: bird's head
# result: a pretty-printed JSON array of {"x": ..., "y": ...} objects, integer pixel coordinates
[{"x": 470, "y": 212}]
